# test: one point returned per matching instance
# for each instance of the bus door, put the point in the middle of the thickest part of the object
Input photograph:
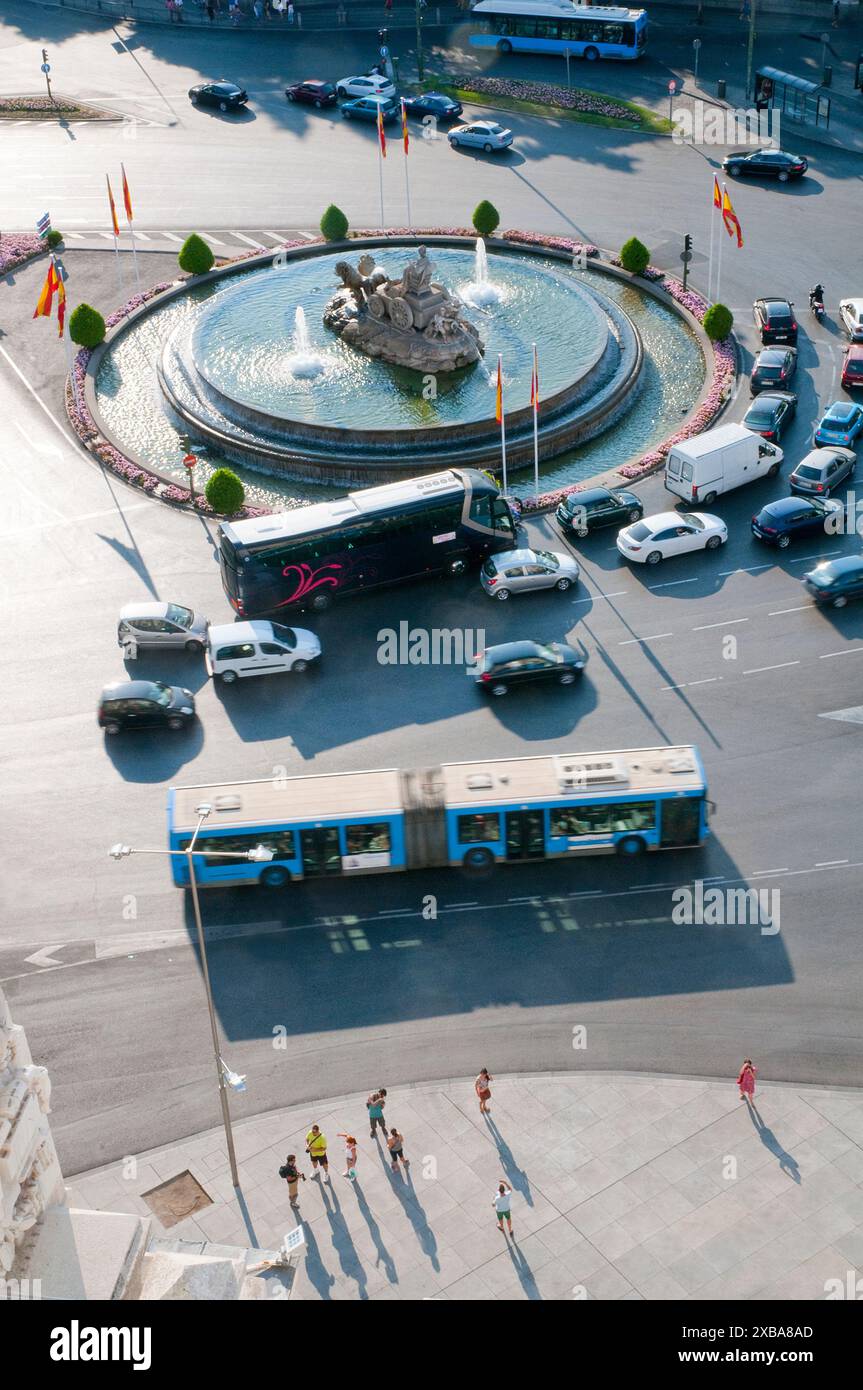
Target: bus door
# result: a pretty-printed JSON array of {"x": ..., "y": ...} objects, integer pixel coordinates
[
  {"x": 681, "y": 822},
  {"x": 321, "y": 852},
  {"x": 525, "y": 835}
]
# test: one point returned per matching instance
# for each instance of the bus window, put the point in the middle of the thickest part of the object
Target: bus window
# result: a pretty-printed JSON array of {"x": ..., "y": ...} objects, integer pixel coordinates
[
  {"x": 524, "y": 28},
  {"x": 368, "y": 839},
  {"x": 612, "y": 33},
  {"x": 474, "y": 829},
  {"x": 681, "y": 822},
  {"x": 281, "y": 842},
  {"x": 501, "y": 515},
  {"x": 610, "y": 819},
  {"x": 321, "y": 853}
]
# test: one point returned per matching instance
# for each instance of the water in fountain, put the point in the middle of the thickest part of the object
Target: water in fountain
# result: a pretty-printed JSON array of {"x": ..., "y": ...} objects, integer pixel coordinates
[
  {"x": 303, "y": 361},
  {"x": 481, "y": 292}
]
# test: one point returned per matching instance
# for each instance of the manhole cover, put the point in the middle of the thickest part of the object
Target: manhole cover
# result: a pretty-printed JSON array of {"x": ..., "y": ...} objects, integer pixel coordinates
[{"x": 179, "y": 1197}]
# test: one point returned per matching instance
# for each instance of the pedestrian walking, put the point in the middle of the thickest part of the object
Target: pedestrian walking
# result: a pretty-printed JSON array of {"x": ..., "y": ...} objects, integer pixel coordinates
[
  {"x": 746, "y": 1080},
  {"x": 375, "y": 1106},
  {"x": 290, "y": 11},
  {"x": 292, "y": 1176},
  {"x": 316, "y": 1148},
  {"x": 744, "y": 9},
  {"x": 395, "y": 1144},
  {"x": 211, "y": 10},
  {"x": 503, "y": 1206},
  {"x": 178, "y": 10},
  {"x": 388, "y": 6},
  {"x": 835, "y": 14},
  {"x": 350, "y": 1156},
  {"x": 483, "y": 1090}
]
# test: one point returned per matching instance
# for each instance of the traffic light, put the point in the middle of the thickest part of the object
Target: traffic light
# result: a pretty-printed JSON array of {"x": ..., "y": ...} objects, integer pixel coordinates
[
  {"x": 687, "y": 243},
  {"x": 44, "y": 55}
]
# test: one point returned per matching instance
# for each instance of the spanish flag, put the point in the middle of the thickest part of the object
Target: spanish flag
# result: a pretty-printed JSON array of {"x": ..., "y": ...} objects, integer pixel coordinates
[
  {"x": 127, "y": 197},
  {"x": 534, "y": 382},
  {"x": 381, "y": 134},
  {"x": 498, "y": 404},
  {"x": 61, "y": 306},
  {"x": 717, "y": 193},
  {"x": 45, "y": 302},
  {"x": 729, "y": 217},
  {"x": 114, "y": 222},
  {"x": 405, "y": 138}
]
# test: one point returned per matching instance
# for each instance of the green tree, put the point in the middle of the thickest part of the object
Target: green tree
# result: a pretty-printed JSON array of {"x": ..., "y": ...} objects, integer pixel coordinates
[
  {"x": 224, "y": 492},
  {"x": 334, "y": 224},
  {"x": 717, "y": 322},
  {"x": 634, "y": 256},
  {"x": 53, "y": 239},
  {"x": 486, "y": 218},
  {"x": 86, "y": 326},
  {"x": 195, "y": 256}
]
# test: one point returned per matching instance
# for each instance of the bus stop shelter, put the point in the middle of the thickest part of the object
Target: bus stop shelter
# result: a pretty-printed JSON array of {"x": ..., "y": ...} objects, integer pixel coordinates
[{"x": 796, "y": 97}]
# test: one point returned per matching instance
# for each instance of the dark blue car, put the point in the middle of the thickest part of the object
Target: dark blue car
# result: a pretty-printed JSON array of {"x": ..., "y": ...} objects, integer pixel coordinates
[
  {"x": 779, "y": 523},
  {"x": 366, "y": 109}
]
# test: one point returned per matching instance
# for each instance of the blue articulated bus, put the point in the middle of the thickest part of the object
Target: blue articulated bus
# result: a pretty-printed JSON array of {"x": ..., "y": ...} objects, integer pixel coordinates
[
  {"x": 472, "y": 815},
  {"x": 560, "y": 28}
]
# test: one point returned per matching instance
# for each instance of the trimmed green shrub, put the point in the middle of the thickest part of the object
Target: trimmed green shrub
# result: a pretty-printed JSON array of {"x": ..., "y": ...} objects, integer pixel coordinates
[
  {"x": 53, "y": 239},
  {"x": 717, "y": 322},
  {"x": 86, "y": 326},
  {"x": 224, "y": 492},
  {"x": 195, "y": 256},
  {"x": 486, "y": 218},
  {"x": 334, "y": 224},
  {"x": 634, "y": 256}
]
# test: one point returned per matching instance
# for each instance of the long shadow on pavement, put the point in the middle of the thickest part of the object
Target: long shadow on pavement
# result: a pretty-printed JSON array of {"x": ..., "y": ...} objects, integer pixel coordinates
[
  {"x": 516, "y": 1177},
  {"x": 768, "y": 1138}
]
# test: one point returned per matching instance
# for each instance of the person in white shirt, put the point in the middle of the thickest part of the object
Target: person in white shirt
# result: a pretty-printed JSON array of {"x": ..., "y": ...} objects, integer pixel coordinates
[{"x": 502, "y": 1204}]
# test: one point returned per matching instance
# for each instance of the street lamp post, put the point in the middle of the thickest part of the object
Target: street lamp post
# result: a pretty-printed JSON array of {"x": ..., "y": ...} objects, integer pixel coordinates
[
  {"x": 420, "y": 5},
  {"x": 257, "y": 855},
  {"x": 750, "y": 49}
]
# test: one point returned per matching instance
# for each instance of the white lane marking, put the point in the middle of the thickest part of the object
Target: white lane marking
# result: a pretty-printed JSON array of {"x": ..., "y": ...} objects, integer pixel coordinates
[
  {"x": 43, "y": 956},
  {"x": 852, "y": 715},
  {"x": 671, "y": 583},
  {"x": 801, "y": 608},
  {"x": 50, "y": 450},
  {"x": 71, "y": 520},
  {"x": 746, "y": 569},
  {"x": 830, "y": 863},
  {"x": 756, "y": 670},
  {"x": 142, "y": 236},
  {"x": 75, "y": 236},
  {"x": 801, "y": 559},
  {"x": 106, "y": 236},
  {"x": 248, "y": 240},
  {"x": 277, "y": 236},
  {"x": 617, "y": 594},
  {"x": 169, "y": 236},
  {"x": 848, "y": 651},
  {"x": 631, "y": 641},
  {"x": 762, "y": 873},
  {"x": 68, "y": 438},
  {"x": 307, "y": 236},
  {"x": 217, "y": 241},
  {"x": 708, "y": 680},
  {"x": 394, "y": 911},
  {"x": 682, "y": 686},
  {"x": 474, "y": 903}
]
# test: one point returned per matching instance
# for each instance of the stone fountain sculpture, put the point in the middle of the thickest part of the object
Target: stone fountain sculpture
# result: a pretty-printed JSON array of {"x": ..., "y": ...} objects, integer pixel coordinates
[{"x": 411, "y": 322}]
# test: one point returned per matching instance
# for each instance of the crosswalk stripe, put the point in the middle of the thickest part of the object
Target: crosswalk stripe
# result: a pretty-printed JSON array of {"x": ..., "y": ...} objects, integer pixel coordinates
[
  {"x": 75, "y": 236},
  {"x": 143, "y": 236},
  {"x": 257, "y": 244},
  {"x": 170, "y": 237},
  {"x": 277, "y": 236},
  {"x": 217, "y": 241},
  {"x": 109, "y": 236}
]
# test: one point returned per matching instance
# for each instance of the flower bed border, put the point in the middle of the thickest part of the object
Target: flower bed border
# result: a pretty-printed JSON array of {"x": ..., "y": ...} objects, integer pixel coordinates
[
  {"x": 30, "y": 246},
  {"x": 720, "y": 358}
]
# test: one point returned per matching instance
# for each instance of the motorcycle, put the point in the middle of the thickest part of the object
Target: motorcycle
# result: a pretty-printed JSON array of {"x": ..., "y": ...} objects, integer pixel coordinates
[{"x": 816, "y": 305}]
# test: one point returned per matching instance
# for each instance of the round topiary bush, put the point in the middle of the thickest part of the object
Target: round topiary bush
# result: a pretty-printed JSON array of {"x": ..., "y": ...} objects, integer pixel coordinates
[
  {"x": 86, "y": 326},
  {"x": 486, "y": 218},
  {"x": 53, "y": 239},
  {"x": 334, "y": 224},
  {"x": 195, "y": 256},
  {"x": 634, "y": 256},
  {"x": 717, "y": 322},
  {"x": 224, "y": 492}
]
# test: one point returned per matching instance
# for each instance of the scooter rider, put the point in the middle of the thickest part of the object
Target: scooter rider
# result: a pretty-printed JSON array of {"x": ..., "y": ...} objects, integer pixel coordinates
[{"x": 816, "y": 296}]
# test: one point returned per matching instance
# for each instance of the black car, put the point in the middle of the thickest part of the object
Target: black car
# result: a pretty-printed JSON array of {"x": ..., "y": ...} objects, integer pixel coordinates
[
  {"x": 312, "y": 92},
  {"x": 580, "y": 512},
  {"x": 779, "y": 523},
  {"x": 516, "y": 663},
  {"x": 775, "y": 321},
  {"x": 774, "y": 366},
  {"x": 836, "y": 581},
  {"x": 770, "y": 412},
  {"x": 145, "y": 705},
  {"x": 433, "y": 104},
  {"x": 227, "y": 96},
  {"x": 766, "y": 164}
]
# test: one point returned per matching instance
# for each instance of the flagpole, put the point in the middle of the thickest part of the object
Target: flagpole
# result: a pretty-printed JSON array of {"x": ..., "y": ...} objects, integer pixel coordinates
[
  {"x": 710, "y": 254},
  {"x": 502, "y": 421},
  {"x": 381, "y": 180},
  {"x": 405, "y": 144},
  {"x": 719, "y": 256},
  {"x": 115, "y": 231},
  {"x": 535, "y": 394},
  {"x": 127, "y": 203},
  {"x": 70, "y": 363}
]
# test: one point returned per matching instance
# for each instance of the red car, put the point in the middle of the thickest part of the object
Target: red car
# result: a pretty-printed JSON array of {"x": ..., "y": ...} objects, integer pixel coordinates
[
  {"x": 852, "y": 366},
  {"x": 312, "y": 92}
]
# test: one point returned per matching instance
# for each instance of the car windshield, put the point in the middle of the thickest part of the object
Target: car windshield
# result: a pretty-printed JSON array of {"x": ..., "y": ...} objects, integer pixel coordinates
[
  {"x": 181, "y": 616},
  {"x": 545, "y": 557},
  {"x": 489, "y": 569},
  {"x": 854, "y": 367},
  {"x": 769, "y": 372},
  {"x": 806, "y": 471},
  {"x": 286, "y": 635},
  {"x": 549, "y": 654},
  {"x": 821, "y": 578},
  {"x": 692, "y": 520},
  {"x": 639, "y": 531},
  {"x": 760, "y": 415},
  {"x": 160, "y": 693}
]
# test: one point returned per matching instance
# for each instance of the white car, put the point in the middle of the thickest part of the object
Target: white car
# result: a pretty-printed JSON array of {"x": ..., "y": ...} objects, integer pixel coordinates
[
  {"x": 656, "y": 538},
  {"x": 485, "y": 135},
  {"x": 851, "y": 311},
  {"x": 259, "y": 648},
  {"x": 370, "y": 85}
]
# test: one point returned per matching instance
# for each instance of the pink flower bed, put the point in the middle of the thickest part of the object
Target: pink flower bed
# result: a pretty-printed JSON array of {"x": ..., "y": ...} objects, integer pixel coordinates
[
  {"x": 546, "y": 94},
  {"x": 18, "y": 247}
]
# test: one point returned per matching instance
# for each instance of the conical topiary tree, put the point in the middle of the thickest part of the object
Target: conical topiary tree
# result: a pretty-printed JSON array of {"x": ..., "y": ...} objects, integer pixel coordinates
[
  {"x": 486, "y": 218},
  {"x": 634, "y": 256},
  {"x": 717, "y": 322},
  {"x": 86, "y": 326},
  {"x": 195, "y": 256},
  {"x": 334, "y": 224},
  {"x": 224, "y": 492}
]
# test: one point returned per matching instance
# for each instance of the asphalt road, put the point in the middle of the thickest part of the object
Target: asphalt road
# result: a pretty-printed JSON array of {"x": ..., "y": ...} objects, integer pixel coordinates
[{"x": 369, "y": 990}]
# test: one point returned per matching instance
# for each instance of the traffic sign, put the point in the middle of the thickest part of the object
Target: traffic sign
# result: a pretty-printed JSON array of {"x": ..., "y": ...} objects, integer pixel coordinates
[
  {"x": 46, "y": 68},
  {"x": 672, "y": 87},
  {"x": 43, "y": 226},
  {"x": 696, "y": 44},
  {"x": 385, "y": 53},
  {"x": 686, "y": 257},
  {"x": 190, "y": 460}
]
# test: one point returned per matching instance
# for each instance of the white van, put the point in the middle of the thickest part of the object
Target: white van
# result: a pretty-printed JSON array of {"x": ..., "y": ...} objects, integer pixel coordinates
[
  {"x": 258, "y": 649},
  {"x": 700, "y": 469}
]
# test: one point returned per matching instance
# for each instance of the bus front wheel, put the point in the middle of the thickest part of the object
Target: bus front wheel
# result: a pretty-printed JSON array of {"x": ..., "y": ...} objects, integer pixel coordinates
[
  {"x": 504, "y": 46},
  {"x": 591, "y": 54},
  {"x": 630, "y": 846},
  {"x": 478, "y": 860},
  {"x": 275, "y": 876}
]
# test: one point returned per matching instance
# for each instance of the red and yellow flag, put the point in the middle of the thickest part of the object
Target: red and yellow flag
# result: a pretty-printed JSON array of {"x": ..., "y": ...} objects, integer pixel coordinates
[
  {"x": 381, "y": 133},
  {"x": 534, "y": 382},
  {"x": 498, "y": 404},
  {"x": 45, "y": 302},
  {"x": 61, "y": 306},
  {"x": 717, "y": 194},
  {"x": 730, "y": 218},
  {"x": 127, "y": 197},
  {"x": 114, "y": 223},
  {"x": 405, "y": 138}
]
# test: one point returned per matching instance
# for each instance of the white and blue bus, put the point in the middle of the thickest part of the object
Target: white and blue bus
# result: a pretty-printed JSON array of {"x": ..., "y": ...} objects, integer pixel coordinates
[
  {"x": 559, "y": 27},
  {"x": 472, "y": 815}
]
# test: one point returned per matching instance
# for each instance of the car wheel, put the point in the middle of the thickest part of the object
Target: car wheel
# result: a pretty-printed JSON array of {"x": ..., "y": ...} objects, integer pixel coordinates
[
  {"x": 734, "y": 170},
  {"x": 478, "y": 859},
  {"x": 194, "y": 648},
  {"x": 502, "y": 595},
  {"x": 487, "y": 147},
  {"x": 228, "y": 677},
  {"x": 321, "y": 602},
  {"x": 458, "y": 567},
  {"x": 784, "y": 542},
  {"x": 223, "y": 106},
  {"x": 773, "y": 470},
  {"x": 318, "y": 105},
  {"x": 783, "y": 177},
  {"x": 581, "y": 531},
  {"x": 176, "y": 723},
  {"x": 562, "y": 585},
  {"x": 568, "y": 678},
  {"x": 454, "y": 142},
  {"x": 504, "y": 46},
  {"x": 291, "y": 97},
  {"x": 630, "y": 846},
  {"x": 714, "y": 543},
  {"x": 112, "y": 728},
  {"x": 635, "y": 514},
  {"x": 499, "y": 688},
  {"x": 654, "y": 557},
  {"x": 300, "y": 665},
  {"x": 194, "y": 99},
  {"x": 710, "y": 497},
  {"x": 591, "y": 54},
  {"x": 276, "y": 876},
  {"x": 346, "y": 113},
  {"x": 341, "y": 91},
  {"x": 839, "y": 602}
]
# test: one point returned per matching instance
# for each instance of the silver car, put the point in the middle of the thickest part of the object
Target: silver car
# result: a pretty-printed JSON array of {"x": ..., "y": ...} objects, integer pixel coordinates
[
  {"x": 517, "y": 571},
  {"x": 160, "y": 625},
  {"x": 483, "y": 135},
  {"x": 822, "y": 470}
]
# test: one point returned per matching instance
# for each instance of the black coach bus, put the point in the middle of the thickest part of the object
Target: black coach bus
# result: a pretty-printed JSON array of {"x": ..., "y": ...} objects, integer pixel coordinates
[{"x": 439, "y": 524}]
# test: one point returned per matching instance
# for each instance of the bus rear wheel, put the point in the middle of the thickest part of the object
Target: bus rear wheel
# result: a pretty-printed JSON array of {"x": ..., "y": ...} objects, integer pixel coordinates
[
  {"x": 276, "y": 876},
  {"x": 458, "y": 567},
  {"x": 630, "y": 846},
  {"x": 504, "y": 46},
  {"x": 591, "y": 54},
  {"x": 478, "y": 860}
]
